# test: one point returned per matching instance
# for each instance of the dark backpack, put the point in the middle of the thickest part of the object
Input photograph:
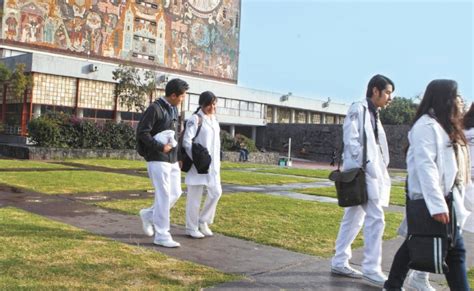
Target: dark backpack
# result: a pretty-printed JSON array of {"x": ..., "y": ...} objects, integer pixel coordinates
[{"x": 201, "y": 157}]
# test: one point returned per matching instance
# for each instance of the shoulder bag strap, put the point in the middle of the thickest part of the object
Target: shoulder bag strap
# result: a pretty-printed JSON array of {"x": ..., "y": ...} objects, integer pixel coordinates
[{"x": 199, "y": 127}]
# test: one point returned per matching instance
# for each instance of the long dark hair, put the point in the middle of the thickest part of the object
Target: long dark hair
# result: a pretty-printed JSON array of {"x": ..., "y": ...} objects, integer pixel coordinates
[
  {"x": 468, "y": 120},
  {"x": 439, "y": 101},
  {"x": 205, "y": 99},
  {"x": 380, "y": 82}
]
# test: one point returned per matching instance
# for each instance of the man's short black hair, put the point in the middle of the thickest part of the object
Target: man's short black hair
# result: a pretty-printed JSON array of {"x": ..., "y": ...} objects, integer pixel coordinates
[
  {"x": 380, "y": 82},
  {"x": 176, "y": 86}
]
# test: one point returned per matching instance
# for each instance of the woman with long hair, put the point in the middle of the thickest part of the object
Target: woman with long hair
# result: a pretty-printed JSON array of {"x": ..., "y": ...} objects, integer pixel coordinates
[
  {"x": 437, "y": 161},
  {"x": 197, "y": 222}
]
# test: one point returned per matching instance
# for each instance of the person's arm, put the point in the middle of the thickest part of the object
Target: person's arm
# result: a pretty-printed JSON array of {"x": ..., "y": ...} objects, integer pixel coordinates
[
  {"x": 150, "y": 117},
  {"x": 424, "y": 148},
  {"x": 351, "y": 137},
  {"x": 190, "y": 132}
]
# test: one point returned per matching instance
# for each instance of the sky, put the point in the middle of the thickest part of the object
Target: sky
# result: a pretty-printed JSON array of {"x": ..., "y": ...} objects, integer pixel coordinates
[{"x": 331, "y": 48}]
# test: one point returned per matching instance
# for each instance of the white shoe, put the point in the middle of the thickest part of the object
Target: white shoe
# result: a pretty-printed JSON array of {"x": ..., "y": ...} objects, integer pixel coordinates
[
  {"x": 170, "y": 243},
  {"x": 195, "y": 233},
  {"x": 378, "y": 279},
  {"x": 418, "y": 281},
  {"x": 146, "y": 224},
  {"x": 205, "y": 230},
  {"x": 347, "y": 271}
]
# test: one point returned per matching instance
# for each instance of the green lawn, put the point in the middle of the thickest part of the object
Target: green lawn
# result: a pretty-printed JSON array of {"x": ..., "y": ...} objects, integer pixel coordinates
[
  {"x": 27, "y": 164},
  {"x": 111, "y": 163},
  {"x": 397, "y": 194},
  {"x": 312, "y": 173},
  {"x": 252, "y": 178},
  {"x": 41, "y": 254},
  {"x": 64, "y": 182},
  {"x": 231, "y": 166},
  {"x": 470, "y": 276},
  {"x": 297, "y": 225}
]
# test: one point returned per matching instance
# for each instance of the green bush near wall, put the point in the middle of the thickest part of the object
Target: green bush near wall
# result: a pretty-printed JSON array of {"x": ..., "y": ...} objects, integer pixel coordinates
[{"x": 65, "y": 131}]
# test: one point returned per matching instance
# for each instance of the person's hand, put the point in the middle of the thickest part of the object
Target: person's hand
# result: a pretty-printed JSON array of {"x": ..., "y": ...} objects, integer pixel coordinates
[
  {"x": 167, "y": 148},
  {"x": 441, "y": 217}
]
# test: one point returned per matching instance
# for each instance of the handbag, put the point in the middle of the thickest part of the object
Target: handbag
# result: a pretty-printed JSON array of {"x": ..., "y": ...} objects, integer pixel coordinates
[
  {"x": 187, "y": 161},
  {"x": 428, "y": 240},
  {"x": 350, "y": 184}
]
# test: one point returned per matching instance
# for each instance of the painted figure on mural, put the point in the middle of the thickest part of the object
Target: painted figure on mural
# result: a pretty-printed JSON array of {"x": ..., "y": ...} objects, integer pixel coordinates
[{"x": 12, "y": 24}]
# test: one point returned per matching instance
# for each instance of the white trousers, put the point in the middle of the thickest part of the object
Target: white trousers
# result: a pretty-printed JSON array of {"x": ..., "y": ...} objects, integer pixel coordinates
[
  {"x": 166, "y": 179},
  {"x": 351, "y": 224},
  {"x": 193, "y": 204}
]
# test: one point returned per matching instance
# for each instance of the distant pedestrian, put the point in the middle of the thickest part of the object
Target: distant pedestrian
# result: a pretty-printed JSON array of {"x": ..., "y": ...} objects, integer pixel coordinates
[{"x": 243, "y": 152}]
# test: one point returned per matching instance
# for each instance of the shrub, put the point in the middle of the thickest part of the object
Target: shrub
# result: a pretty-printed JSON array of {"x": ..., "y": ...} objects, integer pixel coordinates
[
  {"x": 229, "y": 143},
  {"x": 65, "y": 131},
  {"x": 242, "y": 139},
  {"x": 44, "y": 132}
]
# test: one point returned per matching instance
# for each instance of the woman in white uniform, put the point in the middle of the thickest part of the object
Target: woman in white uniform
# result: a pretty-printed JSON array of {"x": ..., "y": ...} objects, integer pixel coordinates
[{"x": 198, "y": 220}]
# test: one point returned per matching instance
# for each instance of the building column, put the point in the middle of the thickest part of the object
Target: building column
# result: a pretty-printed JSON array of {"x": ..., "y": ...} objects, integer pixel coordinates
[
  {"x": 292, "y": 116},
  {"x": 336, "y": 119},
  {"x": 117, "y": 116},
  {"x": 308, "y": 117},
  {"x": 275, "y": 114},
  {"x": 79, "y": 112},
  {"x": 254, "y": 133},
  {"x": 36, "y": 111},
  {"x": 24, "y": 114},
  {"x": 232, "y": 130},
  {"x": 323, "y": 118}
]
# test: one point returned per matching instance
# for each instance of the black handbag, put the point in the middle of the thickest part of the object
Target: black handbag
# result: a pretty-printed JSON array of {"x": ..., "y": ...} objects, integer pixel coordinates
[
  {"x": 428, "y": 240},
  {"x": 350, "y": 184},
  {"x": 187, "y": 162}
]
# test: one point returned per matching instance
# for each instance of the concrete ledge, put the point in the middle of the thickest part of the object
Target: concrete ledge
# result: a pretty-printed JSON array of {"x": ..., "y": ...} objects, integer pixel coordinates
[{"x": 39, "y": 153}]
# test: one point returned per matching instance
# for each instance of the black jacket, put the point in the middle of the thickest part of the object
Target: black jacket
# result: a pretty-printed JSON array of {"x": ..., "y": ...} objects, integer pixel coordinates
[{"x": 159, "y": 116}]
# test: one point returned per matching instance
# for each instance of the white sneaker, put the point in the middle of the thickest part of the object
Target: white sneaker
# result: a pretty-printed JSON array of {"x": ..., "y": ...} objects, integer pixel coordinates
[
  {"x": 347, "y": 271},
  {"x": 195, "y": 233},
  {"x": 170, "y": 243},
  {"x": 146, "y": 224},
  {"x": 204, "y": 228},
  {"x": 378, "y": 279},
  {"x": 418, "y": 281}
]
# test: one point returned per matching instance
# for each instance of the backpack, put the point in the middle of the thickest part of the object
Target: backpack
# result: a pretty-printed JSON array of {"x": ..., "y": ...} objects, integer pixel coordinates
[{"x": 202, "y": 159}]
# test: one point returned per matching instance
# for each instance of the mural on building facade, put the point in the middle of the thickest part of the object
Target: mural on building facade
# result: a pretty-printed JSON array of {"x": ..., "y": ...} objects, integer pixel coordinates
[{"x": 198, "y": 36}]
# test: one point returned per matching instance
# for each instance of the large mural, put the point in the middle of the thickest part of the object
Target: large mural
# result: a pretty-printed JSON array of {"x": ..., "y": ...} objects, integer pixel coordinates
[{"x": 197, "y": 36}]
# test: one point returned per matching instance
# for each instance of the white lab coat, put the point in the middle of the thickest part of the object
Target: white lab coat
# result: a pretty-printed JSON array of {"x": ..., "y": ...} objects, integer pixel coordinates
[
  {"x": 469, "y": 198},
  {"x": 377, "y": 178},
  {"x": 432, "y": 168},
  {"x": 209, "y": 137}
]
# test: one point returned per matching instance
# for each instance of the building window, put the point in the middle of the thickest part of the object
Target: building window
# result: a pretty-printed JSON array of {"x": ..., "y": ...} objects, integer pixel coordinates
[
  {"x": 300, "y": 117},
  {"x": 284, "y": 115},
  {"x": 329, "y": 119},
  {"x": 316, "y": 118}
]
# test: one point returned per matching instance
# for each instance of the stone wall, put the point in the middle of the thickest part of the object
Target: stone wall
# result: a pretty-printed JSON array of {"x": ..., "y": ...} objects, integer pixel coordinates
[
  {"x": 40, "y": 153},
  {"x": 318, "y": 142}
]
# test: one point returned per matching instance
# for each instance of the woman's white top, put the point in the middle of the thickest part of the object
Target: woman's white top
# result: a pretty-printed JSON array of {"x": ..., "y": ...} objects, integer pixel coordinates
[
  {"x": 209, "y": 137},
  {"x": 432, "y": 168}
]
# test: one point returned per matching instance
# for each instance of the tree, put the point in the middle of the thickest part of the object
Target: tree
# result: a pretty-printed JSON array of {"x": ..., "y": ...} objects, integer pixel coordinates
[
  {"x": 400, "y": 111},
  {"x": 19, "y": 82},
  {"x": 131, "y": 89}
]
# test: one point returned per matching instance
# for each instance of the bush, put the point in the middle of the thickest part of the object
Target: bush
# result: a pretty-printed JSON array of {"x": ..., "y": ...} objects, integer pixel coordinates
[
  {"x": 229, "y": 143},
  {"x": 64, "y": 131}
]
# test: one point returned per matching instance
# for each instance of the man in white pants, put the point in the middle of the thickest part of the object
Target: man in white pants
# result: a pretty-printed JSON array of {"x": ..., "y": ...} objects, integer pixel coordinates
[
  {"x": 162, "y": 161},
  {"x": 370, "y": 214}
]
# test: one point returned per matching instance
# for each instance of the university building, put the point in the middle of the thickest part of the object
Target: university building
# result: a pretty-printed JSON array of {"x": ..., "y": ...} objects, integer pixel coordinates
[{"x": 71, "y": 47}]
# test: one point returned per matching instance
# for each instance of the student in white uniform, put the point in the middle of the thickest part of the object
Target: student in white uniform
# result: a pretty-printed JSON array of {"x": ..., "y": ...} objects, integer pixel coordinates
[
  {"x": 371, "y": 214},
  {"x": 162, "y": 161},
  {"x": 437, "y": 165},
  {"x": 197, "y": 222}
]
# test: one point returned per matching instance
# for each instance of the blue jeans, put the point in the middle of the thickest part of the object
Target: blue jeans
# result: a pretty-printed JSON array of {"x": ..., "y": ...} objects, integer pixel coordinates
[
  {"x": 244, "y": 155},
  {"x": 455, "y": 259}
]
